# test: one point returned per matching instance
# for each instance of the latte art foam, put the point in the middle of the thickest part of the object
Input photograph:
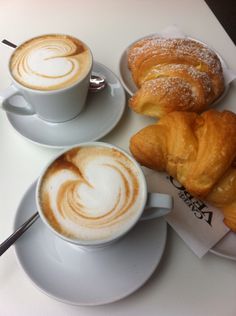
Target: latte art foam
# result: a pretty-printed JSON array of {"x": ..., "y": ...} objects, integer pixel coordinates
[
  {"x": 91, "y": 193},
  {"x": 50, "y": 62}
]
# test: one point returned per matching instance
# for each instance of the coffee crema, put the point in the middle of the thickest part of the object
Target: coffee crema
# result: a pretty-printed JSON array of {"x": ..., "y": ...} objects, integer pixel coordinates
[
  {"x": 91, "y": 193},
  {"x": 50, "y": 62}
]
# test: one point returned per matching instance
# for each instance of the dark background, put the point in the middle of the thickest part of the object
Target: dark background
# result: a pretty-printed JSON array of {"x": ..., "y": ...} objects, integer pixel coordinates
[{"x": 225, "y": 11}]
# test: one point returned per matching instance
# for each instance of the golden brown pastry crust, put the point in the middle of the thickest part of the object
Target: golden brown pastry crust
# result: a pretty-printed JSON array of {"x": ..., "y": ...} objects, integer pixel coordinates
[
  {"x": 173, "y": 74},
  {"x": 197, "y": 150}
]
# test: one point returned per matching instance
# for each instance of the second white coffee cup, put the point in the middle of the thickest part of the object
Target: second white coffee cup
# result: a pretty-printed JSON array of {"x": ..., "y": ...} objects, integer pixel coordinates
[
  {"x": 94, "y": 193},
  {"x": 52, "y": 73}
]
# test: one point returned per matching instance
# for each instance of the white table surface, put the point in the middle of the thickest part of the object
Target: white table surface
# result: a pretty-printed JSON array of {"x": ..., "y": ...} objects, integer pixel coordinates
[{"x": 182, "y": 284}]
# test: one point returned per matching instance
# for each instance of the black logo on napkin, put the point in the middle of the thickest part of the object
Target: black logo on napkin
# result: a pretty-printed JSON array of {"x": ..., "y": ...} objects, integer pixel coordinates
[{"x": 198, "y": 207}]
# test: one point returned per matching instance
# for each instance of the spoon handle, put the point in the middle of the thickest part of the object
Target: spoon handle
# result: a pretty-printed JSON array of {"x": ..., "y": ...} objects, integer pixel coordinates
[
  {"x": 8, "y": 43},
  {"x": 13, "y": 237}
]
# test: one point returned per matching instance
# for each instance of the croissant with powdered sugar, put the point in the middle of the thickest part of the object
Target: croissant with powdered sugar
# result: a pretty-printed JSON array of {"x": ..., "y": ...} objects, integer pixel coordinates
[{"x": 177, "y": 74}]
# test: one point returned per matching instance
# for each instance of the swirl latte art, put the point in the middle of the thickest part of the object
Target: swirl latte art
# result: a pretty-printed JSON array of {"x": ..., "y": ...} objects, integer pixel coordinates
[
  {"x": 92, "y": 193},
  {"x": 50, "y": 62}
]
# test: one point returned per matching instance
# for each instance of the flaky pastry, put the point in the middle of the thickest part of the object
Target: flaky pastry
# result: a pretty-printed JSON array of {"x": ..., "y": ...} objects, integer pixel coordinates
[
  {"x": 197, "y": 150},
  {"x": 173, "y": 75}
]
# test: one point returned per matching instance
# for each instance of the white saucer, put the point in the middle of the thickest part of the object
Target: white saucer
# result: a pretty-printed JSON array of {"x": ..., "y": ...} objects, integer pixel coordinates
[
  {"x": 87, "y": 277},
  {"x": 102, "y": 112},
  {"x": 127, "y": 80},
  {"x": 226, "y": 247}
]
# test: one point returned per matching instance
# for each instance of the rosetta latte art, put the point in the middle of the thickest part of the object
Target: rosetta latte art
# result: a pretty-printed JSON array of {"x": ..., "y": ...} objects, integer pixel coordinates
[
  {"x": 91, "y": 193},
  {"x": 50, "y": 62}
]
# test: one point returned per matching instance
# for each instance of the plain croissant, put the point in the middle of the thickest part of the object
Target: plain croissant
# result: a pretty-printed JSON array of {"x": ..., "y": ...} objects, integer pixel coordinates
[
  {"x": 197, "y": 150},
  {"x": 173, "y": 75}
]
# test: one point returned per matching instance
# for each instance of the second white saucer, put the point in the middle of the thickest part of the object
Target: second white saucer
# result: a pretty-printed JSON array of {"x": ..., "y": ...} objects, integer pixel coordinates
[
  {"x": 102, "y": 112},
  {"x": 79, "y": 276}
]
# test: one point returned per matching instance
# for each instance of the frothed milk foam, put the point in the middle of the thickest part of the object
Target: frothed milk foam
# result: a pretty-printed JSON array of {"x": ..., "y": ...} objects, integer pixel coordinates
[
  {"x": 50, "y": 62},
  {"x": 92, "y": 193}
]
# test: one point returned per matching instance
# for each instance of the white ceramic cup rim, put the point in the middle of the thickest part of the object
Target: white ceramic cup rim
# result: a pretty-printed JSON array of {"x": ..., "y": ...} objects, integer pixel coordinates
[
  {"x": 98, "y": 242},
  {"x": 23, "y": 87}
]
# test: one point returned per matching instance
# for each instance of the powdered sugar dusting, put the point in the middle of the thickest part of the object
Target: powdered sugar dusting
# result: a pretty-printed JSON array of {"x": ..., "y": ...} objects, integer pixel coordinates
[
  {"x": 181, "y": 47},
  {"x": 181, "y": 89},
  {"x": 198, "y": 79}
]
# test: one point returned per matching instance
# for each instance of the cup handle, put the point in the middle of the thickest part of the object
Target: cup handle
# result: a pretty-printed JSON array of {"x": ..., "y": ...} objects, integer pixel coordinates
[
  {"x": 159, "y": 204},
  {"x": 7, "y": 106}
]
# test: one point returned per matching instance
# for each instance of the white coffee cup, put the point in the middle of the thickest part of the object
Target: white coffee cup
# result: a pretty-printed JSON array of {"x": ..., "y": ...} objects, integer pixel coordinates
[
  {"x": 125, "y": 219},
  {"x": 53, "y": 105}
]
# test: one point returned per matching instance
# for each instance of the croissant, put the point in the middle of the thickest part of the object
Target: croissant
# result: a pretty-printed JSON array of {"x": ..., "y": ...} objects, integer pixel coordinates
[
  {"x": 173, "y": 75},
  {"x": 197, "y": 150}
]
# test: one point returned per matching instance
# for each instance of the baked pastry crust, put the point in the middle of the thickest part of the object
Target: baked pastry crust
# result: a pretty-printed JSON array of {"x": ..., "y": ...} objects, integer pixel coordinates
[
  {"x": 197, "y": 150},
  {"x": 173, "y": 74}
]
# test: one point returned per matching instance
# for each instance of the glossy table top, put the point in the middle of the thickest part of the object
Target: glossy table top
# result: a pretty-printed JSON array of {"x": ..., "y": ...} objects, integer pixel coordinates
[{"x": 182, "y": 284}]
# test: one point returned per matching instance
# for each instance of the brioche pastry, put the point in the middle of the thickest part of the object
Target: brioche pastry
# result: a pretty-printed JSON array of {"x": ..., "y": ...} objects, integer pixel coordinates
[
  {"x": 197, "y": 150},
  {"x": 173, "y": 75}
]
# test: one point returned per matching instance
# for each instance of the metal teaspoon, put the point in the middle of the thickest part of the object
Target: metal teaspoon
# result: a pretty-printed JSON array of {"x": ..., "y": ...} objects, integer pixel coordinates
[{"x": 17, "y": 234}]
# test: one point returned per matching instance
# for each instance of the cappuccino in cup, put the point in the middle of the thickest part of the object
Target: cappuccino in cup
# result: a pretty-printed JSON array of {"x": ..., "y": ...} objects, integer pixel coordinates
[
  {"x": 50, "y": 62},
  {"x": 52, "y": 74},
  {"x": 94, "y": 193}
]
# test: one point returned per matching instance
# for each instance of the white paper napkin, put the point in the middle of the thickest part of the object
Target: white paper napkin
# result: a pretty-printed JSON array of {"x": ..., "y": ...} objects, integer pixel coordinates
[{"x": 198, "y": 224}]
